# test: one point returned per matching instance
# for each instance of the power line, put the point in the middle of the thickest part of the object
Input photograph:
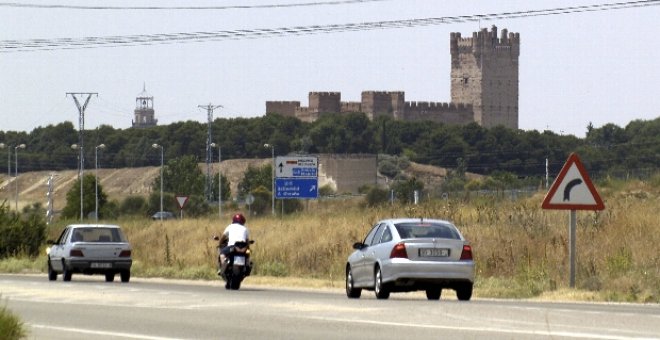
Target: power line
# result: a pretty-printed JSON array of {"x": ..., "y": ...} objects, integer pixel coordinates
[
  {"x": 169, "y": 8},
  {"x": 7, "y": 46}
]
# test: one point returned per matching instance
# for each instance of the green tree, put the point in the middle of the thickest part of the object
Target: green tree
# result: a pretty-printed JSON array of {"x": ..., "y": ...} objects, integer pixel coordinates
[
  {"x": 226, "y": 188},
  {"x": 404, "y": 190},
  {"x": 254, "y": 178},
  {"x": 22, "y": 234},
  {"x": 183, "y": 176},
  {"x": 376, "y": 196},
  {"x": 169, "y": 203},
  {"x": 72, "y": 208},
  {"x": 261, "y": 200},
  {"x": 133, "y": 205}
]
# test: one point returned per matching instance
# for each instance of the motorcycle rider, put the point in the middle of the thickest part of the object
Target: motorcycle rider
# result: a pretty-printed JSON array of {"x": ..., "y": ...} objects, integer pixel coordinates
[{"x": 235, "y": 232}]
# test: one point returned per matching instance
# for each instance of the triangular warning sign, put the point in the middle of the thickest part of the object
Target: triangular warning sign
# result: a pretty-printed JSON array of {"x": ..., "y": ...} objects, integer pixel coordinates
[
  {"x": 572, "y": 189},
  {"x": 181, "y": 200}
]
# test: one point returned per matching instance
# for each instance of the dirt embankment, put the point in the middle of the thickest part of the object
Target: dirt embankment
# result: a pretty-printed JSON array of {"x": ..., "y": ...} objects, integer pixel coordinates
[
  {"x": 117, "y": 183},
  {"x": 121, "y": 183}
]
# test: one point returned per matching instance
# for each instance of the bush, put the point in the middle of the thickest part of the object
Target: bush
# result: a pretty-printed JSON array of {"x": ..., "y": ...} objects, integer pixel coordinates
[
  {"x": 21, "y": 235},
  {"x": 376, "y": 196},
  {"x": 262, "y": 200},
  {"x": 290, "y": 206},
  {"x": 11, "y": 327},
  {"x": 134, "y": 205},
  {"x": 326, "y": 190}
]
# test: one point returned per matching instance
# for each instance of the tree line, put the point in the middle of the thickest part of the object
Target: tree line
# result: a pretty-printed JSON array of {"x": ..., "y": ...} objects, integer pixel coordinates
[{"x": 606, "y": 150}]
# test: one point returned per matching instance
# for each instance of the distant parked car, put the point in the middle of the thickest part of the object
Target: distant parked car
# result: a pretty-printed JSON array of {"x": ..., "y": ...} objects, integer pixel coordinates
[
  {"x": 165, "y": 215},
  {"x": 90, "y": 249},
  {"x": 402, "y": 255}
]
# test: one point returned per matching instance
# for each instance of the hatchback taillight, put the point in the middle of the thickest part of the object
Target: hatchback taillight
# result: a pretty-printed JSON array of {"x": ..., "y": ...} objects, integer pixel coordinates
[
  {"x": 125, "y": 253},
  {"x": 399, "y": 250},
  {"x": 467, "y": 252},
  {"x": 76, "y": 253}
]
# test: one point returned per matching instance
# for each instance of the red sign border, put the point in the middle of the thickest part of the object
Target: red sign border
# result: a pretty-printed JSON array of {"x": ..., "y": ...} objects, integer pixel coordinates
[
  {"x": 573, "y": 159},
  {"x": 176, "y": 198}
]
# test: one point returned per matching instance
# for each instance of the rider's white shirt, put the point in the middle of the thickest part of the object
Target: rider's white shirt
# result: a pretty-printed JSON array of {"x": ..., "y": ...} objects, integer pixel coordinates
[{"x": 235, "y": 233}]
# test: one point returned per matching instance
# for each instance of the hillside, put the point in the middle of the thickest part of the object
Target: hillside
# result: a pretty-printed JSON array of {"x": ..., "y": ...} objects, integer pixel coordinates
[{"x": 121, "y": 183}]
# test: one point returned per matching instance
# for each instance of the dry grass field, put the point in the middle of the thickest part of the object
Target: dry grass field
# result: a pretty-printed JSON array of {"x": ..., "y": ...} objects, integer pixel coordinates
[{"x": 521, "y": 251}]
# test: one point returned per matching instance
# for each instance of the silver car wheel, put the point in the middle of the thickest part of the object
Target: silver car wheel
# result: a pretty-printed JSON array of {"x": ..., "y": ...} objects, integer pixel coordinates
[
  {"x": 379, "y": 288},
  {"x": 351, "y": 291}
]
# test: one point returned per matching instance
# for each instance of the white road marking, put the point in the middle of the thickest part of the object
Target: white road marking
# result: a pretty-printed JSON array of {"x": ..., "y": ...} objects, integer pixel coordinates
[
  {"x": 487, "y": 329},
  {"x": 93, "y": 332}
]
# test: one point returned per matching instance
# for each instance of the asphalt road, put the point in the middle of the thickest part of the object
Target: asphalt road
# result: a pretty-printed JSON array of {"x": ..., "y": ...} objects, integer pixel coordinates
[{"x": 88, "y": 307}]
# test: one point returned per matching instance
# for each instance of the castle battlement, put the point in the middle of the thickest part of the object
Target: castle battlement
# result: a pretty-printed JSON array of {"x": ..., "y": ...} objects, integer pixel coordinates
[
  {"x": 387, "y": 93},
  {"x": 438, "y": 106},
  {"x": 284, "y": 102},
  {"x": 325, "y": 94},
  {"x": 485, "y": 41}
]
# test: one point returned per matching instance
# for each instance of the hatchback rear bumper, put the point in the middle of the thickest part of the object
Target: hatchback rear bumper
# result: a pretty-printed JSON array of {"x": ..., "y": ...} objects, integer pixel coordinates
[{"x": 101, "y": 266}]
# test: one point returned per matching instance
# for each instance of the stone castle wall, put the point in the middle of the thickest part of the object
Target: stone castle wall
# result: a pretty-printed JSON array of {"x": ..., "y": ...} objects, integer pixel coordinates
[
  {"x": 484, "y": 89},
  {"x": 347, "y": 173}
]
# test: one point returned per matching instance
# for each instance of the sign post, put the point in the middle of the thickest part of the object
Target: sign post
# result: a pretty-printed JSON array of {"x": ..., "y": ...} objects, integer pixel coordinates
[
  {"x": 573, "y": 190},
  {"x": 181, "y": 201}
]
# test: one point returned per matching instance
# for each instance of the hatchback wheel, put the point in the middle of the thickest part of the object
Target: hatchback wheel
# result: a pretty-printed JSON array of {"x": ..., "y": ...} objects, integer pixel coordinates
[
  {"x": 52, "y": 275},
  {"x": 381, "y": 290},
  {"x": 125, "y": 276},
  {"x": 464, "y": 292},
  {"x": 109, "y": 277},
  {"x": 433, "y": 293},
  {"x": 351, "y": 291},
  {"x": 66, "y": 272}
]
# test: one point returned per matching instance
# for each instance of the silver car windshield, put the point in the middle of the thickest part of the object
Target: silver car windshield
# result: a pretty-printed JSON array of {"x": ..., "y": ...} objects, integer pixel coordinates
[
  {"x": 97, "y": 234},
  {"x": 426, "y": 230}
]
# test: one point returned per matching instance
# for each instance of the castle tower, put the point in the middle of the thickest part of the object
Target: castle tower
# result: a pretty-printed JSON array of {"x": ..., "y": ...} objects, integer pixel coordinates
[
  {"x": 144, "y": 110},
  {"x": 484, "y": 73}
]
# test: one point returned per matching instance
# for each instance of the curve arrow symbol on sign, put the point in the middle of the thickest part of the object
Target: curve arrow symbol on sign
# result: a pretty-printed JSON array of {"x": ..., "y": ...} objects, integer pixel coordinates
[{"x": 569, "y": 186}]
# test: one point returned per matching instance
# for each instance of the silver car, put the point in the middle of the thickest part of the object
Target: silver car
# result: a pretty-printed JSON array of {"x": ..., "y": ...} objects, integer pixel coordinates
[
  {"x": 403, "y": 255},
  {"x": 90, "y": 249}
]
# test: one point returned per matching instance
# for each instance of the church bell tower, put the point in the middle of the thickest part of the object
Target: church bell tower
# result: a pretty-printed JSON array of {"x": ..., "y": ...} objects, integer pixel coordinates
[{"x": 144, "y": 110}]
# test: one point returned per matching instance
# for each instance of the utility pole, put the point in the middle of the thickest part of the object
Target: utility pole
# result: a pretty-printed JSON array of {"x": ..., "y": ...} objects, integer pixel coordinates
[
  {"x": 208, "y": 191},
  {"x": 81, "y": 129}
]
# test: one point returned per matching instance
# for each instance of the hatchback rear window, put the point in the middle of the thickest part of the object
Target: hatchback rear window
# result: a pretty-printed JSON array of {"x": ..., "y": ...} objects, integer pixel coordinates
[
  {"x": 426, "y": 230},
  {"x": 97, "y": 234}
]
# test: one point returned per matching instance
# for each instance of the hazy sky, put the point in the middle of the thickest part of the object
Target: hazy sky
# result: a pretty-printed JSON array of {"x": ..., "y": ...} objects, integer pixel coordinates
[{"x": 598, "y": 66}]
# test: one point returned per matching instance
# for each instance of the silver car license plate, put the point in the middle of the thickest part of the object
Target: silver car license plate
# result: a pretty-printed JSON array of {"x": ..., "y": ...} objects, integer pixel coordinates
[{"x": 433, "y": 252}]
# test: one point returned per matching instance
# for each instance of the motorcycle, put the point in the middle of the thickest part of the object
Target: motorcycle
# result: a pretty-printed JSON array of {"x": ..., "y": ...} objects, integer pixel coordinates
[{"x": 238, "y": 264}]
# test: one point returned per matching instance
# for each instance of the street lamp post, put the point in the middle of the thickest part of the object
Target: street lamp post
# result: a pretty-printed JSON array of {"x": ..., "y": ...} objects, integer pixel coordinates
[
  {"x": 22, "y": 146},
  {"x": 80, "y": 175},
  {"x": 2, "y": 146},
  {"x": 96, "y": 176},
  {"x": 156, "y": 146},
  {"x": 213, "y": 145},
  {"x": 272, "y": 176}
]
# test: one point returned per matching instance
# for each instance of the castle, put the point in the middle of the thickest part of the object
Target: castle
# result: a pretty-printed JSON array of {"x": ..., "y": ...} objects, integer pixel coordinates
[{"x": 484, "y": 89}]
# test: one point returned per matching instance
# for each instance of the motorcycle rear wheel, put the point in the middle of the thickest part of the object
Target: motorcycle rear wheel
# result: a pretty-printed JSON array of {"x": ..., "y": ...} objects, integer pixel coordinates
[{"x": 235, "y": 278}]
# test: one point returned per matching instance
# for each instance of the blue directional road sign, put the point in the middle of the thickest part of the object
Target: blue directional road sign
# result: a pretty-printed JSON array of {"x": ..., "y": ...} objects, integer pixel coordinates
[{"x": 296, "y": 188}]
